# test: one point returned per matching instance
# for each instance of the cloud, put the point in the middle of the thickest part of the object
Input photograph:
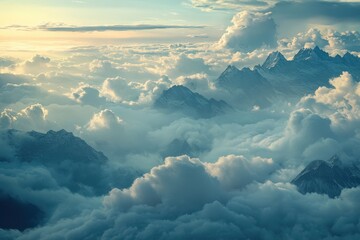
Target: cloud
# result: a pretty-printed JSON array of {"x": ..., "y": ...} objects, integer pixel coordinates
[
  {"x": 197, "y": 82},
  {"x": 105, "y": 119},
  {"x": 340, "y": 103},
  {"x": 323, "y": 11},
  {"x": 33, "y": 117},
  {"x": 104, "y": 68},
  {"x": 332, "y": 41},
  {"x": 310, "y": 39},
  {"x": 304, "y": 132},
  {"x": 348, "y": 40},
  {"x": 180, "y": 199},
  {"x": 210, "y": 5},
  {"x": 6, "y": 62},
  {"x": 162, "y": 186},
  {"x": 324, "y": 123},
  {"x": 99, "y": 28},
  {"x": 236, "y": 172},
  {"x": 186, "y": 65},
  {"x": 237, "y": 188},
  {"x": 334, "y": 10},
  {"x": 249, "y": 31},
  {"x": 120, "y": 90},
  {"x": 37, "y": 64},
  {"x": 86, "y": 94}
]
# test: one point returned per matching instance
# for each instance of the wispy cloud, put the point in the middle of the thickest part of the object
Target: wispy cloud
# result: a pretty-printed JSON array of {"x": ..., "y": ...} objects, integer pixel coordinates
[{"x": 98, "y": 28}]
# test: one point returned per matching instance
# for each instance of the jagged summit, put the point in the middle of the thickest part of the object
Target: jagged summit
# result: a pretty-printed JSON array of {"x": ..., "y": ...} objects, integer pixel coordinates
[
  {"x": 273, "y": 60},
  {"x": 351, "y": 59},
  {"x": 230, "y": 68},
  {"x": 181, "y": 98},
  {"x": 246, "y": 87},
  {"x": 327, "y": 177},
  {"x": 311, "y": 54},
  {"x": 285, "y": 80}
]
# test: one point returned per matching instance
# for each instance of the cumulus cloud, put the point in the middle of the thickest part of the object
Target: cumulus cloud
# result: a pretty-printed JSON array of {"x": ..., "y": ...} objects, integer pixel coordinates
[
  {"x": 310, "y": 39},
  {"x": 334, "y": 42},
  {"x": 33, "y": 117},
  {"x": 324, "y": 123},
  {"x": 186, "y": 65},
  {"x": 120, "y": 90},
  {"x": 6, "y": 62},
  {"x": 87, "y": 94},
  {"x": 198, "y": 82},
  {"x": 104, "y": 68},
  {"x": 104, "y": 119},
  {"x": 249, "y": 31},
  {"x": 238, "y": 188},
  {"x": 36, "y": 65},
  {"x": 235, "y": 172},
  {"x": 340, "y": 103},
  {"x": 348, "y": 40},
  {"x": 180, "y": 199},
  {"x": 303, "y": 10}
]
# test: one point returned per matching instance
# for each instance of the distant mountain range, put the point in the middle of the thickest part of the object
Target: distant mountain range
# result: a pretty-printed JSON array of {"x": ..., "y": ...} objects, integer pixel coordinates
[
  {"x": 181, "y": 99},
  {"x": 279, "y": 78},
  {"x": 327, "y": 177}
]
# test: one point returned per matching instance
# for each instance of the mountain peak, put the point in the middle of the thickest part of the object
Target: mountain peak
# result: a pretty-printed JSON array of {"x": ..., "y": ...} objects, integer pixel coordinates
[
  {"x": 274, "y": 59},
  {"x": 181, "y": 98},
  {"x": 61, "y": 132},
  {"x": 351, "y": 59},
  {"x": 74, "y": 163},
  {"x": 327, "y": 177},
  {"x": 231, "y": 69},
  {"x": 311, "y": 54}
]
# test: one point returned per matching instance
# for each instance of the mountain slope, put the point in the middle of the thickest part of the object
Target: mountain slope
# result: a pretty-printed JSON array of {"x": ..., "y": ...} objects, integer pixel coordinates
[
  {"x": 71, "y": 161},
  {"x": 246, "y": 87},
  {"x": 327, "y": 177},
  {"x": 180, "y": 98},
  {"x": 285, "y": 80}
]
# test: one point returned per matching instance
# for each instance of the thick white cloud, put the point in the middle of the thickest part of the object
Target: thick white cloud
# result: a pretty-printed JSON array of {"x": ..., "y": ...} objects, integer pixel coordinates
[
  {"x": 348, "y": 40},
  {"x": 249, "y": 31},
  {"x": 36, "y": 65},
  {"x": 340, "y": 103},
  {"x": 120, "y": 90},
  {"x": 180, "y": 184},
  {"x": 104, "y": 68},
  {"x": 197, "y": 82},
  {"x": 235, "y": 172},
  {"x": 180, "y": 199},
  {"x": 226, "y": 196},
  {"x": 313, "y": 37},
  {"x": 87, "y": 94},
  {"x": 33, "y": 117},
  {"x": 185, "y": 65},
  {"x": 324, "y": 123},
  {"x": 105, "y": 119},
  {"x": 332, "y": 41}
]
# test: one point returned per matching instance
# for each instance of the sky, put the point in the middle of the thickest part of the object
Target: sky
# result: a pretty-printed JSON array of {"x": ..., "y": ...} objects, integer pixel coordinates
[
  {"x": 203, "y": 20},
  {"x": 176, "y": 119}
]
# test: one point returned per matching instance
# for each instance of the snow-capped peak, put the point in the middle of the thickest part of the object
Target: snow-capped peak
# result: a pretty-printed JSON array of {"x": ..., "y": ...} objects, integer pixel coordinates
[{"x": 273, "y": 59}]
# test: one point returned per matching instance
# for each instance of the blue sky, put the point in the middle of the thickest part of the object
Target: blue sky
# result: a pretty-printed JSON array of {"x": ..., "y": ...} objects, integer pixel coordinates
[{"x": 205, "y": 19}]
